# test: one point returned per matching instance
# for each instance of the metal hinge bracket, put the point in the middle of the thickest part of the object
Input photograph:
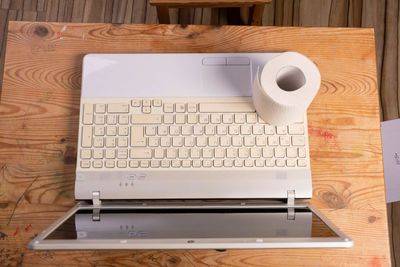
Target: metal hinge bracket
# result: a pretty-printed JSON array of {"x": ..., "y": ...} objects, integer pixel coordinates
[
  {"x": 96, "y": 204},
  {"x": 291, "y": 197}
]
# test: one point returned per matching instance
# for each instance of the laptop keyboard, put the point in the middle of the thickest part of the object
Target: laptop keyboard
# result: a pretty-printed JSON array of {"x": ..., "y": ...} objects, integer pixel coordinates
[{"x": 185, "y": 133}]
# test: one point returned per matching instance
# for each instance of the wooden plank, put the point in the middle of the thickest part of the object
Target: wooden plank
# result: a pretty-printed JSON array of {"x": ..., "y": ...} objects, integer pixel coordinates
[
  {"x": 339, "y": 13},
  {"x": 52, "y": 10},
  {"x": 318, "y": 9},
  {"x": 283, "y": 12},
  {"x": 65, "y": 9},
  {"x": 269, "y": 14},
  {"x": 78, "y": 10},
  {"x": 373, "y": 16},
  {"x": 3, "y": 34},
  {"x": 30, "y": 5},
  {"x": 119, "y": 8},
  {"x": 174, "y": 15},
  {"x": 256, "y": 15},
  {"x": 151, "y": 14},
  {"x": 198, "y": 14},
  {"x": 389, "y": 81},
  {"x": 5, "y": 4},
  {"x": 29, "y": 15},
  {"x": 139, "y": 11},
  {"x": 206, "y": 18},
  {"x": 38, "y": 133},
  {"x": 163, "y": 15},
  {"x": 355, "y": 13},
  {"x": 16, "y": 4},
  {"x": 108, "y": 11},
  {"x": 41, "y": 5},
  {"x": 207, "y": 3},
  {"x": 94, "y": 11}
]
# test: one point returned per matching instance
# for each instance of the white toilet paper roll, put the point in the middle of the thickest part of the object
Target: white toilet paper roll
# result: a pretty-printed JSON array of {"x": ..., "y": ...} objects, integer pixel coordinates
[{"x": 288, "y": 84}]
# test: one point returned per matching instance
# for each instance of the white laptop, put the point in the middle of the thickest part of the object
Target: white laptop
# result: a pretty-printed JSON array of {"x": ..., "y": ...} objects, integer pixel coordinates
[{"x": 182, "y": 127}]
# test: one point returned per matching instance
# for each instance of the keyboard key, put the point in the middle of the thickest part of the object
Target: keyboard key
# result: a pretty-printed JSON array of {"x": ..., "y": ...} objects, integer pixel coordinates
[
  {"x": 86, "y": 153},
  {"x": 267, "y": 152},
  {"x": 140, "y": 153},
  {"x": 110, "y": 163},
  {"x": 99, "y": 130},
  {"x": 272, "y": 140},
  {"x": 137, "y": 136},
  {"x": 227, "y": 107},
  {"x": 259, "y": 163},
  {"x": 154, "y": 141},
  {"x": 162, "y": 130},
  {"x": 123, "y": 119},
  {"x": 158, "y": 153},
  {"x": 87, "y": 114},
  {"x": 251, "y": 118},
  {"x": 99, "y": 119},
  {"x": 168, "y": 119},
  {"x": 227, "y": 118},
  {"x": 175, "y": 163},
  {"x": 123, "y": 130},
  {"x": 136, "y": 102},
  {"x": 290, "y": 162},
  {"x": 98, "y": 141},
  {"x": 151, "y": 130},
  {"x": 203, "y": 118},
  {"x": 118, "y": 108},
  {"x": 172, "y": 153},
  {"x": 228, "y": 163},
  {"x": 146, "y": 119},
  {"x": 111, "y": 130},
  {"x": 302, "y": 152},
  {"x": 192, "y": 118},
  {"x": 146, "y": 102},
  {"x": 238, "y": 163},
  {"x": 215, "y": 118},
  {"x": 85, "y": 163},
  {"x": 112, "y": 119},
  {"x": 146, "y": 110},
  {"x": 291, "y": 152},
  {"x": 284, "y": 140},
  {"x": 280, "y": 152},
  {"x": 269, "y": 129},
  {"x": 280, "y": 162},
  {"x": 218, "y": 162},
  {"x": 240, "y": 118},
  {"x": 255, "y": 152},
  {"x": 97, "y": 164},
  {"x": 296, "y": 129},
  {"x": 302, "y": 163},
  {"x": 180, "y": 118},
  {"x": 110, "y": 142},
  {"x": 86, "y": 136},
  {"x": 192, "y": 108},
  {"x": 281, "y": 129},
  {"x": 248, "y": 162},
  {"x": 122, "y": 141},
  {"x": 298, "y": 140},
  {"x": 144, "y": 164},
  {"x": 100, "y": 108},
  {"x": 165, "y": 163},
  {"x": 168, "y": 107},
  {"x": 97, "y": 153},
  {"x": 244, "y": 152},
  {"x": 134, "y": 163},
  {"x": 269, "y": 163},
  {"x": 121, "y": 163},
  {"x": 122, "y": 153},
  {"x": 110, "y": 153},
  {"x": 180, "y": 107},
  {"x": 154, "y": 163},
  {"x": 258, "y": 129},
  {"x": 157, "y": 102}
]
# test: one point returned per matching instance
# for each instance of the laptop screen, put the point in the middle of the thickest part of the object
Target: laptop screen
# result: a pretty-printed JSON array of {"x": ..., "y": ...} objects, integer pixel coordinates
[{"x": 191, "y": 223}]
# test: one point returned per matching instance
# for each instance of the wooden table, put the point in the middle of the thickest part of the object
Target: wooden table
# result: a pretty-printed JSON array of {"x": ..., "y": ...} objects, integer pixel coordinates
[
  {"x": 39, "y": 125},
  {"x": 256, "y": 7}
]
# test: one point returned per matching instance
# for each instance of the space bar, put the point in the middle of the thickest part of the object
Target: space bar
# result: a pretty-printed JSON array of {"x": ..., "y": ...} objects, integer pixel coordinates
[{"x": 227, "y": 107}]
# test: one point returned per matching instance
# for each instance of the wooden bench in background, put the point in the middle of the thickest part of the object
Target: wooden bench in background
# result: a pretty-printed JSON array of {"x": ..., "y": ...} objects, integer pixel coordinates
[{"x": 256, "y": 7}]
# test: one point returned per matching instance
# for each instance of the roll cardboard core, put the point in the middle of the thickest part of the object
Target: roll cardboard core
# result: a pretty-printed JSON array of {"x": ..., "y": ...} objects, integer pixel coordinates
[{"x": 290, "y": 78}]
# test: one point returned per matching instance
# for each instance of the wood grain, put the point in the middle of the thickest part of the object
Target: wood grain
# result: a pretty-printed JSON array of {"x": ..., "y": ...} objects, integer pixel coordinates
[
  {"x": 207, "y": 3},
  {"x": 39, "y": 119}
]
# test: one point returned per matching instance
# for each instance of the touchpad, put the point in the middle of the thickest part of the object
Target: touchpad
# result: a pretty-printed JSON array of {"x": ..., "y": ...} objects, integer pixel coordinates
[{"x": 228, "y": 80}]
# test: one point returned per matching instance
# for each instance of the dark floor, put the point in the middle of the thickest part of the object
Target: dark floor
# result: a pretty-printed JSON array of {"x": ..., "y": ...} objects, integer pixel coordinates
[{"x": 381, "y": 15}]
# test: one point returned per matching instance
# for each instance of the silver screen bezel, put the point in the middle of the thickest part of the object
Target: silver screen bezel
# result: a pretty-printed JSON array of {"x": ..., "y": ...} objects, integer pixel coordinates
[{"x": 41, "y": 243}]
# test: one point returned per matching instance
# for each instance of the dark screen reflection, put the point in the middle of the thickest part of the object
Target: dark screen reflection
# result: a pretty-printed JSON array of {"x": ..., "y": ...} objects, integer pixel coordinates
[{"x": 204, "y": 223}]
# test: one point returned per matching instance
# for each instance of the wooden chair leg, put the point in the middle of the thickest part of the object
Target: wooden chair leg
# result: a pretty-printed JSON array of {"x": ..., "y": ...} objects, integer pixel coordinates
[
  {"x": 256, "y": 15},
  {"x": 163, "y": 15}
]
